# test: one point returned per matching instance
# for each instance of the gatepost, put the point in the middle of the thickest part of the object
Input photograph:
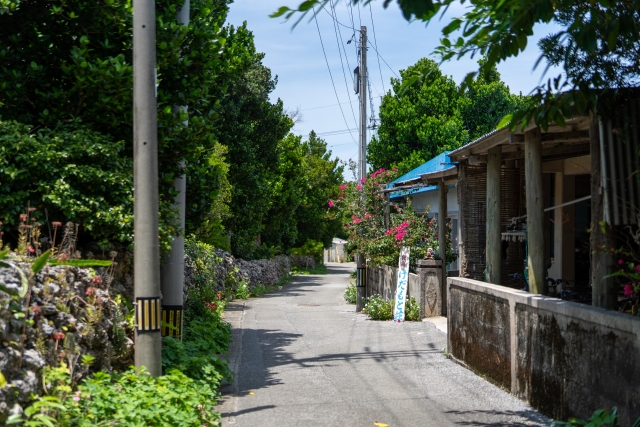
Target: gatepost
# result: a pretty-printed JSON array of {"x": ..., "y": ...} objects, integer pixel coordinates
[{"x": 431, "y": 281}]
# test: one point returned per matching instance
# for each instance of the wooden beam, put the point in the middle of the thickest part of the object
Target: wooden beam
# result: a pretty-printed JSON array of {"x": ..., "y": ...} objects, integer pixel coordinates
[
  {"x": 574, "y": 135},
  {"x": 535, "y": 215},
  {"x": 477, "y": 159},
  {"x": 559, "y": 152},
  {"x": 494, "y": 205}
]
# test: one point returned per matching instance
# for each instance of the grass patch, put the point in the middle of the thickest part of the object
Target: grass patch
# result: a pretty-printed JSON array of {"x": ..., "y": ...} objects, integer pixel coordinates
[
  {"x": 319, "y": 269},
  {"x": 261, "y": 290}
]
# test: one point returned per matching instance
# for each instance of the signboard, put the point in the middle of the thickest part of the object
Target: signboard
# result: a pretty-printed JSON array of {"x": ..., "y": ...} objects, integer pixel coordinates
[{"x": 403, "y": 285}]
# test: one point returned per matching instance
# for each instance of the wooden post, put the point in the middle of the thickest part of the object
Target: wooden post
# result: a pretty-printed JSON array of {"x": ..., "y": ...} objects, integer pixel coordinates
[
  {"x": 442, "y": 241},
  {"x": 535, "y": 214},
  {"x": 605, "y": 294},
  {"x": 494, "y": 205},
  {"x": 462, "y": 187}
]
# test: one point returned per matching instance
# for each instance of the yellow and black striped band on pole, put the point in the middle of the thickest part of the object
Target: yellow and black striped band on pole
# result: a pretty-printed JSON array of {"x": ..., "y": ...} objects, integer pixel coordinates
[
  {"x": 172, "y": 321},
  {"x": 148, "y": 314}
]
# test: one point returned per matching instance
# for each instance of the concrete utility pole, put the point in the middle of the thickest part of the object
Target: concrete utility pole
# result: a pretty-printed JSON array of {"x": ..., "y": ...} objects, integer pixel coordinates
[
  {"x": 172, "y": 279},
  {"x": 146, "y": 255},
  {"x": 361, "y": 290}
]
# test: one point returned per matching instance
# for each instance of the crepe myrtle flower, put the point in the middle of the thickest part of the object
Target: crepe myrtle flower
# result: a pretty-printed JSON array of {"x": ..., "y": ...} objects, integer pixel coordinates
[{"x": 628, "y": 290}]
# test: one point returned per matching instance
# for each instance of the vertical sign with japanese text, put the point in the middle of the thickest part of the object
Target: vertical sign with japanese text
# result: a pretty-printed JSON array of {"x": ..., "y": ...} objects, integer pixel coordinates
[{"x": 403, "y": 285}]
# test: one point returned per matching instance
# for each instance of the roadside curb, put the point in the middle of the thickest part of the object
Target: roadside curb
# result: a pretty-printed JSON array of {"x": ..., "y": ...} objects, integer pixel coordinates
[{"x": 228, "y": 403}]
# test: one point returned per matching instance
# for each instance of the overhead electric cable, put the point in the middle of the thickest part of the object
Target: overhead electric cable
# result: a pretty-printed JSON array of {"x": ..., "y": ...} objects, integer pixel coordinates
[
  {"x": 337, "y": 22},
  {"x": 376, "y": 43},
  {"x": 336, "y": 30},
  {"x": 327, "y": 106},
  {"x": 331, "y": 75},
  {"x": 385, "y": 62}
]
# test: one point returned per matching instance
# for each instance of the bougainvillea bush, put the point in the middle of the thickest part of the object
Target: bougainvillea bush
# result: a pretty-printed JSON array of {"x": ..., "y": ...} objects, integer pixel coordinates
[{"x": 362, "y": 205}]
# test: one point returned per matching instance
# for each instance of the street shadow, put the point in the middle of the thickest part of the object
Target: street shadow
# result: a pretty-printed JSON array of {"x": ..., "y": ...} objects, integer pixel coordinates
[{"x": 484, "y": 418}]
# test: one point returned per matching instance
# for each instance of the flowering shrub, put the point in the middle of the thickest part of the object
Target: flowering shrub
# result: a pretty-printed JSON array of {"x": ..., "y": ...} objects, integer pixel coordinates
[
  {"x": 350, "y": 294},
  {"x": 379, "y": 309},
  {"x": 363, "y": 207}
]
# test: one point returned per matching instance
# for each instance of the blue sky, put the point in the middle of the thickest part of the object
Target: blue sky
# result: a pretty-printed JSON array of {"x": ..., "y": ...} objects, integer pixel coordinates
[{"x": 296, "y": 57}]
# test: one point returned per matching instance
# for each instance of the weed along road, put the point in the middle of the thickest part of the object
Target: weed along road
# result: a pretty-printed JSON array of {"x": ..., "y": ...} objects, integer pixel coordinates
[{"x": 303, "y": 357}]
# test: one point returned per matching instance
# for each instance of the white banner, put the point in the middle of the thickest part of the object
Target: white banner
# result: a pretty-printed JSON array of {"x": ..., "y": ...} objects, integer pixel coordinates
[{"x": 403, "y": 285}]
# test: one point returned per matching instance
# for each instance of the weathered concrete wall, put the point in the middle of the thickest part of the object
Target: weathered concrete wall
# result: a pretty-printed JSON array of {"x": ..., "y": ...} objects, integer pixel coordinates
[
  {"x": 383, "y": 281},
  {"x": 479, "y": 333},
  {"x": 565, "y": 359}
]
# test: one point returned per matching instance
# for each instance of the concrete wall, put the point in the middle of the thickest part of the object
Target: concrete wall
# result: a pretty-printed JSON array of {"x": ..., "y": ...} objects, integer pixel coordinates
[
  {"x": 383, "y": 281},
  {"x": 563, "y": 358}
]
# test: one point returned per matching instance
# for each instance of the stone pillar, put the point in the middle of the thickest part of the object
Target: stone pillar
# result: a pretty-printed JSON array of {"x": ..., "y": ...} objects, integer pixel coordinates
[
  {"x": 535, "y": 214},
  {"x": 431, "y": 295},
  {"x": 494, "y": 205}
]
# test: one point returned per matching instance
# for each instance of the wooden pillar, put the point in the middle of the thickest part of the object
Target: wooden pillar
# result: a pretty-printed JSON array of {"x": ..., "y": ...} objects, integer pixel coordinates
[
  {"x": 461, "y": 187},
  {"x": 494, "y": 205},
  {"x": 442, "y": 240},
  {"x": 605, "y": 294},
  {"x": 535, "y": 214}
]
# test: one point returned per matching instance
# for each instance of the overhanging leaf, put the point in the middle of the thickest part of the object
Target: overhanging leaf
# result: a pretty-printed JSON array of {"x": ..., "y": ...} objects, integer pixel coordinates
[
  {"x": 81, "y": 262},
  {"x": 41, "y": 261}
]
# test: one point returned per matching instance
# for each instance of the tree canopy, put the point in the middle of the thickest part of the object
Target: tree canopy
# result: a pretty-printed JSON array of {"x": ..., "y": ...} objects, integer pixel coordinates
[
  {"x": 426, "y": 113},
  {"x": 65, "y": 96}
]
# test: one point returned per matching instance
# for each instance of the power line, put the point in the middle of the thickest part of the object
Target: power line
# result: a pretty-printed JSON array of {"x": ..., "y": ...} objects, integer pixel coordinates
[
  {"x": 376, "y": 42},
  {"x": 327, "y": 106},
  {"x": 385, "y": 62},
  {"x": 337, "y": 22},
  {"x": 331, "y": 75},
  {"x": 336, "y": 30},
  {"x": 336, "y": 132}
]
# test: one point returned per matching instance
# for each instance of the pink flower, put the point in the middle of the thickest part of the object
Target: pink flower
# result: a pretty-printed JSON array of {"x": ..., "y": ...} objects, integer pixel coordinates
[
  {"x": 330, "y": 203},
  {"x": 363, "y": 180},
  {"x": 628, "y": 290},
  {"x": 620, "y": 262},
  {"x": 356, "y": 221},
  {"x": 343, "y": 186},
  {"x": 359, "y": 187},
  {"x": 638, "y": 268}
]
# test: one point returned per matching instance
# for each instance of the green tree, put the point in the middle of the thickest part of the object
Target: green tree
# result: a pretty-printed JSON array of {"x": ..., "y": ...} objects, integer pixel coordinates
[
  {"x": 71, "y": 62},
  {"x": 324, "y": 176},
  {"x": 427, "y": 114},
  {"x": 288, "y": 191},
  {"x": 418, "y": 121},
  {"x": 252, "y": 128}
]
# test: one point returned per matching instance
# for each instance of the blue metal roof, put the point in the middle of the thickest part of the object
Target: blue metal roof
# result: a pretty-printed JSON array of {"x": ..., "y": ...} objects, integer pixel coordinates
[{"x": 438, "y": 163}]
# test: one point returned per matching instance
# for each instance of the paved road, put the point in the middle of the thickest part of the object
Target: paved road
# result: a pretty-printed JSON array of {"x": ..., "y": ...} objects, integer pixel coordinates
[{"x": 303, "y": 357}]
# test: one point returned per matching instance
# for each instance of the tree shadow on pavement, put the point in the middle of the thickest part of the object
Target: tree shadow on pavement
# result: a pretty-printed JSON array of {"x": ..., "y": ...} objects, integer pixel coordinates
[{"x": 487, "y": 418}]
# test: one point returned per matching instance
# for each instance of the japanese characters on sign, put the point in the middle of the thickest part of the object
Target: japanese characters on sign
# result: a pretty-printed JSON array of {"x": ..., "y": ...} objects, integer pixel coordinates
[{"x": 403, "y": 284}]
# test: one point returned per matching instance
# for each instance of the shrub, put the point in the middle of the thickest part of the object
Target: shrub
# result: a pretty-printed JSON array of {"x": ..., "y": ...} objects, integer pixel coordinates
[
  {"x": 310, "y": 248},
  {"x": 350, "y": 294},
  {"x": 412, "y": 310},
  {"x": 74, "y": 173},
  {"x": 378, "y": 309}
]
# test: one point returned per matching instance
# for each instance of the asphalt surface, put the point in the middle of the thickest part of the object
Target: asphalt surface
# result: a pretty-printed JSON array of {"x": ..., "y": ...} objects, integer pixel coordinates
[{"x": 303, "y": 357}]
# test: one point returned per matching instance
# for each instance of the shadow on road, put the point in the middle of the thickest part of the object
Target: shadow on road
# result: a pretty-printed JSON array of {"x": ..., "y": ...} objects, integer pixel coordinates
[{"x": 530, "y": 415}]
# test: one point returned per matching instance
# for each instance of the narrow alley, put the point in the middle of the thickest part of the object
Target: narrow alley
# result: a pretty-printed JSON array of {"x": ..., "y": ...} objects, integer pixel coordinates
[{"x": 303, "y": 357}]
